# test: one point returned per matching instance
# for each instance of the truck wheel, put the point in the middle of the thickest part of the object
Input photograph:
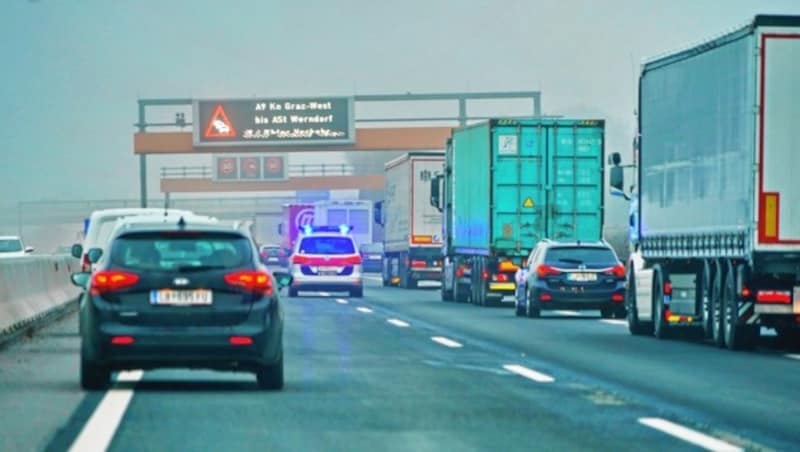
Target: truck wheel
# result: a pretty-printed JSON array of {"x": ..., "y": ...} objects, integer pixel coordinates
[
  {"x": 459, "y": 293},
  {"x": 660, "y": 323},
  {"x": 532, "y": 309},
  {"x": 705, "y": 289},
  {"x": 635, "y": 327},
  {"x": 519, "y": 304},
  {"x": 357, "y": 293},
  {"x": 411, "y": 283},
  {"x": 717, "y": 334},
  {"x": 447, "y": 295},
  {"x": 736, "y": 335}
]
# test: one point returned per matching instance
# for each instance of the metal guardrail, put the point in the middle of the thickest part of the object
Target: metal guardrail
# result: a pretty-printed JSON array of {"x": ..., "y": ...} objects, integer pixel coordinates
[{"x": 297, "y": 170}]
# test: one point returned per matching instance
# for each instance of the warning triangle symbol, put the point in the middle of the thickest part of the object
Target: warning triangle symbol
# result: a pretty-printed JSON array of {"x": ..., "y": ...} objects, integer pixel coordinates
[
  {"x": 528, "y": 202},
  {"x": 219, "y": 126}
]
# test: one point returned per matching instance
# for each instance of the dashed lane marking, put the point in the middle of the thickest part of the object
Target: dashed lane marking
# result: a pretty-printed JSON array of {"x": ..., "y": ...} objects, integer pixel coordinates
[
  {"x": 441, "y": 340},
  {"x": 99, "y": 430},
  {"x": 686, "y": 434},
  {"x": 529, "y": 373}
]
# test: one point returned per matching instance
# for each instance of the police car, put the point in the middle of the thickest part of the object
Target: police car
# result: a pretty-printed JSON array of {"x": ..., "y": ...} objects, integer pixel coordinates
[{"x": 326, "y": 258}]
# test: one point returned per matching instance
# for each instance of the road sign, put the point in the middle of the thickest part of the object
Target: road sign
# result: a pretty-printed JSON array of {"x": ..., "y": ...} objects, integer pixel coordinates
[
  {"x": 226, "y": 168},
  {"x": 528, "y": 202},
  {"x": 243, "y": 168},
  {"x": 250, "y": 168},
  {"x": 290, "y": 121},
  {"x": 274, "y": 167}
]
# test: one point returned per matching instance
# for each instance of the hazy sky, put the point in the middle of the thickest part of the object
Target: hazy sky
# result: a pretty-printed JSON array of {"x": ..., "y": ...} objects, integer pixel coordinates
[{"x": 72, "y": 70}]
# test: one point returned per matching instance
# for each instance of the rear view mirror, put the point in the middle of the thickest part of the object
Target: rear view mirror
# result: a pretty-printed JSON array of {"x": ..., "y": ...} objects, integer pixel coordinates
[
  {"x": 80, "y": 279},
  {"x": 436, "y": 192},
  {"x": 377, "y": 212},
  {"x": 615, "y": 159},
  {"x": 94, "y": 255},
  {"x": 28, "y": 249},
  {"x": 617, "y": 178},
  {"x": 77, "y": 251},
  {"x": 283, "y": 279}
]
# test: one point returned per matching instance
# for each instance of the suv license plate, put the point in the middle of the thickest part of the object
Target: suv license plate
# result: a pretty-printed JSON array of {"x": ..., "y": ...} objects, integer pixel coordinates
[
  {"x": 582, "y": 277},
  {"x": 181, "y": 297}
]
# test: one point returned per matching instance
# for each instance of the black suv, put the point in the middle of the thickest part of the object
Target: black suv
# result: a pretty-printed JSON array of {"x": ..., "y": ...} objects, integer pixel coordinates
[
  {"x": 180, "y": 294},
  {"x": 573, "y": 275}
]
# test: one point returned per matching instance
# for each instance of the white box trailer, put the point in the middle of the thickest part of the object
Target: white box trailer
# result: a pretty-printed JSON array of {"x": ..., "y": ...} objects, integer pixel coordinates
[
  {"x": 412, "y": 226},
  {"x": 355, "y": 213},
  {"x": 715, "y": 219}
]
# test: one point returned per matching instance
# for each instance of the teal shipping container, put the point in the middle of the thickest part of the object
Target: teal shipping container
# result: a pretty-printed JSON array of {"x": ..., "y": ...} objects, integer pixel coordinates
[{"x": 509, "y": 184}]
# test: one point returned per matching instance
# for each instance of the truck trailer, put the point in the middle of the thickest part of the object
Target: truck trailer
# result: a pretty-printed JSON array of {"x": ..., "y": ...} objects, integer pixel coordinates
[
  {"x": 354, "y": 213},
  {"x": 507, "y": 184},
  {"x": 715, "y": 214},
  {"x": 412, "y": 226}
]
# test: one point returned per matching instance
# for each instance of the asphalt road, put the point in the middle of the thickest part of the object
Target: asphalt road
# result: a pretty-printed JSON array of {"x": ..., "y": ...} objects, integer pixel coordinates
[{"x": 401, "y": 370}]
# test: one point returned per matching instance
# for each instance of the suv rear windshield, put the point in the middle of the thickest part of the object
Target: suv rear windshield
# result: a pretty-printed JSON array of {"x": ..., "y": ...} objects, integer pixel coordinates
[
  {"x": 326, "y": 245},
  {"x": 181, "y": 252},
  {"x": 580, "y": 255}
]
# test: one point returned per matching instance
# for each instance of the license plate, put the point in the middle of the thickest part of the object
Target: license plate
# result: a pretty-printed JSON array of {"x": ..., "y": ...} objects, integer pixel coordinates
[
  {"x": 582, "y": 277},
  {"x": 181, "y": 297},
  {"x": 328, "y": 271},
  {"x": 374, "y": 256}
]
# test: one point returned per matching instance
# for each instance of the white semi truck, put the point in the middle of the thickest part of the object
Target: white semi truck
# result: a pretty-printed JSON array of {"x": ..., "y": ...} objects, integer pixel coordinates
[
  {"x": 715, "y": 213},
  {"x": 412, "y": 226}
]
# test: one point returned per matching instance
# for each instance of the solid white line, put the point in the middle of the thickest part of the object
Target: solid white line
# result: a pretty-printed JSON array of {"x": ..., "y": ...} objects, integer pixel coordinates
[
  {"x": 364, "y": 310},
  {"x": 341, "y": 301},
  {"x": 688, "y": 435},
  {"x": 529, "y": 373},
  {"x": 398, "y": 323},
  {"x": 446, "y": 342},
  {"x": 569, "y": 313},
  {"x": 614, "y": 321},
  {"x": 790, "y": 356},
  {"x": 374, "y": 278},
  {"x": 99, "y": 430},
  {"x": 325, "y": 294}
]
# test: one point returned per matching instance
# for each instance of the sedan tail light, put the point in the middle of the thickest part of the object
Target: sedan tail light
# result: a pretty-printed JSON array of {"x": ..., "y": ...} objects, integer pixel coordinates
[
  {"x": 255, "y": 282},
  {"x": 546, "y": 270},
  {"x": 108, "y": 281}
]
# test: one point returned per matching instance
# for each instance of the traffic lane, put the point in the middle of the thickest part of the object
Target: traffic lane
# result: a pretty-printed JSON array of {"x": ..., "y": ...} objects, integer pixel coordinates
[
  {"x": 745, "y": 392},
  {"x": 39, "y": 386},
  {"x": 355, "y": 381}
]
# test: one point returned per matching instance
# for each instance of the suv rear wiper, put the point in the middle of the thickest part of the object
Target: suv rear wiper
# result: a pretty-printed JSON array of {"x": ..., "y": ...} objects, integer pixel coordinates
[
  {"x": 199, "y": 268},
  {"x": 571, "y": 261}
]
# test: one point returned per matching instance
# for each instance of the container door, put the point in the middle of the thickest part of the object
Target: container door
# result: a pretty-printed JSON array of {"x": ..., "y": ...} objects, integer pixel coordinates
[
  {"x": 779, "y": 145},
  {"x": 518, "y": 172},
  {"x": 575, "y": 198}
]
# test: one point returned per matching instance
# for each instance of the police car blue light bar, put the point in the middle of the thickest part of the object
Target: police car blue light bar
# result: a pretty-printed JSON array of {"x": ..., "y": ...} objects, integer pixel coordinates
[{"x": 343, "y": 229}]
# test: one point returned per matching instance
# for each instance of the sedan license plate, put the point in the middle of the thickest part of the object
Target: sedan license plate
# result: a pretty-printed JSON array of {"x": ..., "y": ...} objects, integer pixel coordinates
[
  {"x": 169, "y": 297},
  {"x": 582, "y": 277}
]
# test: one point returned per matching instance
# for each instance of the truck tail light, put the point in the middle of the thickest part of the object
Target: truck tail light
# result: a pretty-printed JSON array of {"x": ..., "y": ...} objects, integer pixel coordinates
[
  {"x": 507, "y": 266},
  {"x": 774, "y": 296},
  {"x": 418, "y": 264},
  {"x": 501, "y": 277},
  {"x": 667, "y": 288},
  {"x": 255, "y": 282},
  {"x": 108, "y": 281},
  {"x": 617, "y": 298},
  {"x": 85, "y": 264}
]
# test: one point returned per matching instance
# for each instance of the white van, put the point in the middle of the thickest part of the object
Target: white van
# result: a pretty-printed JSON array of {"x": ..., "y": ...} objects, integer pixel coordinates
[{"x": 103, "y": 222}]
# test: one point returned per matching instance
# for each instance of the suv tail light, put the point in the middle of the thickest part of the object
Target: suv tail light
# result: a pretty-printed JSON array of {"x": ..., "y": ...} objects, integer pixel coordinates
[
  {"x": 355, "y": 259},
  {"x": 107, "y": 281},
  {"x": 258, "y": 283},
  {"x": 546, "y": 270},
  {"x": 617, "y": 270}
]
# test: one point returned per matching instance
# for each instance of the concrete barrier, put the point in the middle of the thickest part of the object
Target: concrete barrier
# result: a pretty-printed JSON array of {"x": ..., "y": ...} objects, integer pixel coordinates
[{"x": 33, "y": 289}]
